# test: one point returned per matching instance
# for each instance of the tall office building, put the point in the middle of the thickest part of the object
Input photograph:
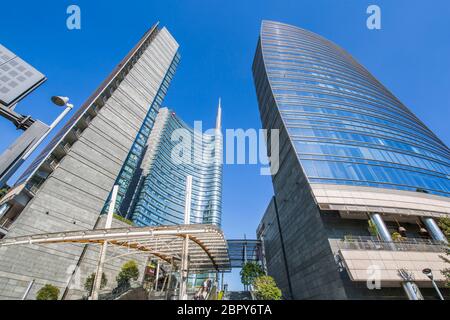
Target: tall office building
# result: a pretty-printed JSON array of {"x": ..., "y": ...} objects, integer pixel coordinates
[
  {"x": 68, "y": 184},
  {"x": 175, "y": 151},
  {"x": 361, "y": 181}
]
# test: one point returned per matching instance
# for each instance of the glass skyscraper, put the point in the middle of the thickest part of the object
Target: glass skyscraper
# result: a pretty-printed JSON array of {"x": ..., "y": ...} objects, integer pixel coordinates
[
  {"x": 173, "y": 152},
  {"x": 349, "y": 151},
  {"x": 345, "y": 126}
]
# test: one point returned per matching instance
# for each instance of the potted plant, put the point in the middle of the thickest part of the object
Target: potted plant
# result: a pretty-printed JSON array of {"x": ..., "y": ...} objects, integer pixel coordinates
[
  {"x": 396, "y": 236},
  {"x": 372, "y": 228}
]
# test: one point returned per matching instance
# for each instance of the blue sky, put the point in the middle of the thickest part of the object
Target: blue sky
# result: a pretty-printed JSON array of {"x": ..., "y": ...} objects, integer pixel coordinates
[{"x": 409, "y": 55}]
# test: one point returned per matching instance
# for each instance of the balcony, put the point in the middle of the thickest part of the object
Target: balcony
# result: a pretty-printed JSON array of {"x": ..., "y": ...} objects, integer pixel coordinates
[
  {"x": 367, "y": 259},
  {"x": 373, "y": 243}
]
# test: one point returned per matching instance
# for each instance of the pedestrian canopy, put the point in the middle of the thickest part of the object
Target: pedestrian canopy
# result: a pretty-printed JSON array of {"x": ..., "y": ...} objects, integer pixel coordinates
[{"x": 207, "y": 246}]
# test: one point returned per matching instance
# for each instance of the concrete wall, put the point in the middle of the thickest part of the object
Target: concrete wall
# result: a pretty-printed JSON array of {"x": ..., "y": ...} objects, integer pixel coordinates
[
  {"x": 274, "y": 250},
  {"x": 73, "y": 195}
]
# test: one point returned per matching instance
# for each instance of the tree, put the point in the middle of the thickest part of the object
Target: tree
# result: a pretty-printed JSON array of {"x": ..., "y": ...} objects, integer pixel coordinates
[
  {"x": 129, "y": 271},
  {"x": 3, "y": 191},
  {"x": 444, "y": 223},
  {"x": 266, "y": 288},
  {"x": 250, "y": 271},
  {"x": 48, "y": 292},
  {"x": 89, "y": 283}
]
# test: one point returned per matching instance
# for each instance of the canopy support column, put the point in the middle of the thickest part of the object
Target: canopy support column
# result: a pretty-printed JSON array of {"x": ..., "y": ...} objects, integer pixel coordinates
[
  {"x": 185, "y": 253},
  {"x": 98, "y": 276}
]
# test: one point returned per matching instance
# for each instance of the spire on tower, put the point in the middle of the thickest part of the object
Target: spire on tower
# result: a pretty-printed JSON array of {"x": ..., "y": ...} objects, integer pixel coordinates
[{"x": 219, "y": 115}]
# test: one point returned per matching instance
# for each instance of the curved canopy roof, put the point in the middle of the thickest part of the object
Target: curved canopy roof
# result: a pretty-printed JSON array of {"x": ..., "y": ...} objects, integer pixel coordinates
[{"x": 207, "y": 246}]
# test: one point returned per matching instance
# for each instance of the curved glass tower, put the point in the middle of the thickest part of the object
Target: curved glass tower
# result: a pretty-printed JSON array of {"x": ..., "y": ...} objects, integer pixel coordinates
[
  {"x": 175, "y": 151},
  {"x": 346, "y": 127},
  {"x": 357, "y": 172}
]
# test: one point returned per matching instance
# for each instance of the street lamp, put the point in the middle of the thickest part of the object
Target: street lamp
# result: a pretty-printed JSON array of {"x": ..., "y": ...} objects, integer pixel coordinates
[
  {"x": 33, "y": 136},
  {"x": 430, "y": 276},
  {"x": 60, "y": 102}
]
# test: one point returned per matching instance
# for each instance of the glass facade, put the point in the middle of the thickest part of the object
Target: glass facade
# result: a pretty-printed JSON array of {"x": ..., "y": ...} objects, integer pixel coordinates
[
  {"x": 160, "y": 198},
  {"x": 345, "y": 126},
  {"x": 130, "y": 172}
]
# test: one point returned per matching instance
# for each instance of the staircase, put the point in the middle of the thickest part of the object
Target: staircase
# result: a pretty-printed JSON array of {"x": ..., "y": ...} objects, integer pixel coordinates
[
  {"x": 135, "y": 294},
  {"x": 157, "y": 295},
  {"x": 238, "y": 295}
]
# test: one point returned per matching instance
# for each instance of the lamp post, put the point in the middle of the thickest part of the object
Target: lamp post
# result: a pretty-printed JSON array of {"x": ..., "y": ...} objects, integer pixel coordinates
[
  {"x": 60, "y": 102},
  {"x": 430, "y": 276},
  {"x": 24, "y": 146}
]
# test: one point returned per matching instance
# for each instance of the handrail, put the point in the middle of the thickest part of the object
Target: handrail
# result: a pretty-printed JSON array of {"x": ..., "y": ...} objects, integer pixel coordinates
[
  {"x": 405, "y": 244},
  {"x": 212, "y": 293}
]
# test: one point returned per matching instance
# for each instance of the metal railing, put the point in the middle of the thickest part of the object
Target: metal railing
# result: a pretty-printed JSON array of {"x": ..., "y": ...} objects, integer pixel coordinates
[
  {"x": 212, "y": 293},
  {"x": 5, "y": 223},
  {"x": 405, "y": 244}
]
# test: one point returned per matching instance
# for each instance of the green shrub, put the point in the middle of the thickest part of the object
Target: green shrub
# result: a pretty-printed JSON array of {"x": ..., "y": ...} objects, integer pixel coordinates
[
  {"x": 129, "y": 271},
  {"x": 372, "y": 228},
  {"x": 120, "y": 218},
  {"x": 444, "y": 223},
  {"x": 48, "y": 292},
  {"x": 266, "y": 288},
  {"x": 3, "y": 191},
  {"x": 89, "y": 283}
]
